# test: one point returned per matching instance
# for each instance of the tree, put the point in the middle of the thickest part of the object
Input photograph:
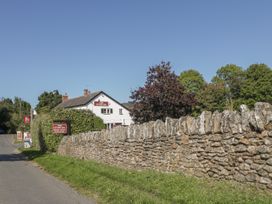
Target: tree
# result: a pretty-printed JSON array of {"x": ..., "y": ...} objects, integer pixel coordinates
[
  {"x": 213, "y": 97},
  {"x": 161, "y": 96},
  {"x": 192, "y": 81},
  {"x": 11, "y": 113},
  {"x": 5, "y": 117},
  {"x": 232, "y": 76},
  {"x": 258, "y": 85},
  {"x": 48, "y": 101}
]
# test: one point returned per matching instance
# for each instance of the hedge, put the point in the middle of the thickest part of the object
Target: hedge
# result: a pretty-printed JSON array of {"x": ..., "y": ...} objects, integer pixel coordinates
[{"x": 80, "y": 121}]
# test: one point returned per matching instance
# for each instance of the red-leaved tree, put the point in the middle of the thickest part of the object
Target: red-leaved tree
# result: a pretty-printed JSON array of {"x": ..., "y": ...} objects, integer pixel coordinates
[{"x": 162, "y": 96}]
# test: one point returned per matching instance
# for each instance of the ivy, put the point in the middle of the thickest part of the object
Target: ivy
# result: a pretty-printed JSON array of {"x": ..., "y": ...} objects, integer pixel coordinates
[{"x": 80, "y": 121}]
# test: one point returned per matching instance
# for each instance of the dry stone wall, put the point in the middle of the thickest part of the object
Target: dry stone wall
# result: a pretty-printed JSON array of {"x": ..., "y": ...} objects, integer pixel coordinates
[{"x": 229, "y": 145}]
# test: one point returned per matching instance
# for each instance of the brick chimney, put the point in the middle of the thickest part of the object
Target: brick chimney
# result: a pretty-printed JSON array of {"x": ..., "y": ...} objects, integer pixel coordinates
[
  {"x": 86, "y": 92},
  {"x": 65, "y": 97}
]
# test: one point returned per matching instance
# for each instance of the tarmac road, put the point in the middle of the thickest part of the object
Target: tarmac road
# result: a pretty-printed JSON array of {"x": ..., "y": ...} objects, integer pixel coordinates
[{"x": 21, "y": 182}]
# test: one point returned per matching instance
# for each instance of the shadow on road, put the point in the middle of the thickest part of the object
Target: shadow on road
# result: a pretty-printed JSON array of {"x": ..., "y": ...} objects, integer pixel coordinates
[{"x": 12, "y": 157}]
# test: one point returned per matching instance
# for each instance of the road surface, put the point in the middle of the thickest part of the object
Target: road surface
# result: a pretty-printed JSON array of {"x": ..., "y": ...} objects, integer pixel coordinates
[{"x": 21, "y": 182}]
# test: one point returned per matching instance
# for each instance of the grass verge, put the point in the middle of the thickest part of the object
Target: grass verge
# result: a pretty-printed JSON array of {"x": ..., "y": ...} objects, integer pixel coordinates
[{"x": 118, "y": 186}]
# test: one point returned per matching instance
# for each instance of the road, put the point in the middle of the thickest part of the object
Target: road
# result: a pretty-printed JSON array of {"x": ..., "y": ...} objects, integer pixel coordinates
[{"x": 21, "y": 182}]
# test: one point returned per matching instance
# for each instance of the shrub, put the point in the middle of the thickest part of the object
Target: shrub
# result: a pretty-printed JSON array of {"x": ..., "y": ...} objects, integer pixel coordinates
[{"x": 80, "y": 121}]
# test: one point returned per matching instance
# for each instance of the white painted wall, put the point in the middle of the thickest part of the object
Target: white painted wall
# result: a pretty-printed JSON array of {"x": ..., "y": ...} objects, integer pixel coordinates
[{"x": 115, "y": 117}]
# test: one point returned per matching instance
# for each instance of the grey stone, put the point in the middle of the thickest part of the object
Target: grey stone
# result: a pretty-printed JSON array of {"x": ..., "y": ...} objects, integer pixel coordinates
[
  {"x": 159, "y": 129},
  {"x": 240, "y": 148},
  {"x": 262, "y": 172},
  {"x": 205, "y": 123},
  {"x": 225, "y": 123},
  {"x": 263, "y": 149},
  {"x": 269, "y": 162},
  {"x": 245, "y": 115},
  {"x": 192, "y": 125},
  {"x": 215, "y": 138},
  {"x": 265, "y": 156},
  {"x": 239, "y": 177},
  {"x": 235, "y": 122},
  {"x": 265, "y": 180},
  {"x": 244, "y": 167},
  {"x": 182, "y": 126},
  {"x": 268, "y": 168},
  {"x": 171, "y": 127},
  {"x": 251, "y": 177},
  {"x": 216, "y": 121}
]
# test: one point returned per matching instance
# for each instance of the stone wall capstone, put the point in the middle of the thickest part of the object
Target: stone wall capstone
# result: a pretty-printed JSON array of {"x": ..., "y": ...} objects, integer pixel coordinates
[{"x": 230, "y": 145}]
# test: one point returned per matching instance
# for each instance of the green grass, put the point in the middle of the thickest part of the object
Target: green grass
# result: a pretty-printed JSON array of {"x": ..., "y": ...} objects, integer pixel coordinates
[{"x": 115, "y": 185}]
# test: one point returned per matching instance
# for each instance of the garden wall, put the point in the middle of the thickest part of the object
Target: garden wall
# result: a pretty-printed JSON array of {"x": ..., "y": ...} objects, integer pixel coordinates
[{"x": 230, "y": 145}]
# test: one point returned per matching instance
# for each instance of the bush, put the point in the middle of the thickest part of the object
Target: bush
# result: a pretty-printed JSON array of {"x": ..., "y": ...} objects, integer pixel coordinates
[{"x": 80, "y": 121}]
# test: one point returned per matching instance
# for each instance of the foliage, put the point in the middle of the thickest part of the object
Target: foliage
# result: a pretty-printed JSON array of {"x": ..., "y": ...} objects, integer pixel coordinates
[
  {"x": 12, "y": 113},
  {"x": 120, "y": 186},
  {"x": 233, "y": 77},
  {"x": 48, "y": 101},
  {"x": 258, "y": 85},
  {"x": 192, "y": 81},
  {"x": 161, "y": 96},
  {"x": 80, "y": 120},
  {"x": 213, "y": 97}
]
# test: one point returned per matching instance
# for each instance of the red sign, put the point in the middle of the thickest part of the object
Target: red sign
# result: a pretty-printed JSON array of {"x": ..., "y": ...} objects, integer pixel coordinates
[
  {"x": 60, "y": 128},
  {"x": 101, "y": 103},
  {"x": 27, "y": 119}
]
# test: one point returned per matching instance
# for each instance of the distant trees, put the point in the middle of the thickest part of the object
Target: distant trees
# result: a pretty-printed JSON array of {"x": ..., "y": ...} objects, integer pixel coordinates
[
  {"x": 12, "y": 113},
  {"x": 48, "y": 101},
  {"x": 257, "y": 85},
  {"x": 232, "y": 86},
  {"x": 161, "y": 96},
  {"x": 192, "y": 81}
]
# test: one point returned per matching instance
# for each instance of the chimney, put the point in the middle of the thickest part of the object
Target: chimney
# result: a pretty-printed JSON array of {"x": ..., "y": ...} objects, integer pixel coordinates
[
  {"x": 86, "y": 92},
  {"x": 65, "y": 97}
]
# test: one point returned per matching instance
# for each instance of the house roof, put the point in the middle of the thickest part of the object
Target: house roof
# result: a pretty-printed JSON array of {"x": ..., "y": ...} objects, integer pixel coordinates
[
  {"x": 79, "y": 101},
  {"x": 84, "y": 100}
]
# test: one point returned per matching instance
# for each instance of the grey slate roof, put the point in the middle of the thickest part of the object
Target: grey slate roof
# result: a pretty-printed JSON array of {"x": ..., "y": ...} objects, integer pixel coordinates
[{"x": 79, "y": 101}]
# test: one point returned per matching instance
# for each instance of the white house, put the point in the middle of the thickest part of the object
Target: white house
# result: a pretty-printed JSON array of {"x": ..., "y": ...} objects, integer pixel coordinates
[{"x": 102, "y": 105}]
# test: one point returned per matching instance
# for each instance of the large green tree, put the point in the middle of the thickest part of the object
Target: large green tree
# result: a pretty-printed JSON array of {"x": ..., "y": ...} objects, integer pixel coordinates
[
  {"x": 12, "y": 113},
  {"x": 48, "y": 101},
  {"x": 232, "y": 77},
  {"x": 213, "y": 97},
  {"x": 6, "y": 110},
  {"x": 162, "y": 96},
  {"x": 258, "y": 85},
  {"x": 192, "y": 81}
]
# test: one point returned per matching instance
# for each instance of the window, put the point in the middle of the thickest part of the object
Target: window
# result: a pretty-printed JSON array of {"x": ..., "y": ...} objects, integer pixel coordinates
[
  {"x": 120, "y": 111},
  {"x": 106, "y": 111}
]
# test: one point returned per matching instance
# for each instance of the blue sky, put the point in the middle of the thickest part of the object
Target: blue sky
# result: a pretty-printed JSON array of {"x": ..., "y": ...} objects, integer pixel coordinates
[{"x": 109, "y": 45}]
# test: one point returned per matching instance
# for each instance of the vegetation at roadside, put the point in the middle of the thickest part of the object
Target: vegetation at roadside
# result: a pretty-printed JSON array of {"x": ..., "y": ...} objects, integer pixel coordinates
[
  {"x": 48, "y": 101},
  {"x": 12, "y": 113},
  {"x": 117, "y": 186},
  {"x": 80, "y": 121}
]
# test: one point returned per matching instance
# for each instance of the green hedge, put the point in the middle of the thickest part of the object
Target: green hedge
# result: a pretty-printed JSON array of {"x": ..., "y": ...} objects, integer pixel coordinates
[{"x": 80, "y": 121}]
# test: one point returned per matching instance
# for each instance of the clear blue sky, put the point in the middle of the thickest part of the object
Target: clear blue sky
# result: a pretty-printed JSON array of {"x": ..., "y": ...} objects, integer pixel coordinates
[{"x": 109, "y": 45}]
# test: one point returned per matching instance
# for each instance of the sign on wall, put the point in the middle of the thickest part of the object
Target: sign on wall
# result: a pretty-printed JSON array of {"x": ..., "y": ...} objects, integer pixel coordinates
[
  {"x": 60, "y": 128},
  {"x": 101, "y": 103}
]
